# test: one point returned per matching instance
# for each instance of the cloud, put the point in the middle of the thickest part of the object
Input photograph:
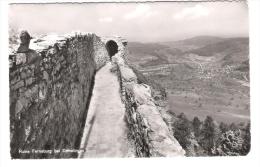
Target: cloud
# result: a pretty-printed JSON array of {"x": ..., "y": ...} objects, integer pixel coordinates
[
  {"x": 105, "y": 19},
  {"x": 195, "y": 12},
  {"x": 142, "y": 10}
]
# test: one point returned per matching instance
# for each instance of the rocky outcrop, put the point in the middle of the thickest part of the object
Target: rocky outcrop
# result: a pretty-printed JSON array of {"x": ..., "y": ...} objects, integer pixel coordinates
[
  {"x": 50, "y": 89},
  {"x": 147, "y": 128}
]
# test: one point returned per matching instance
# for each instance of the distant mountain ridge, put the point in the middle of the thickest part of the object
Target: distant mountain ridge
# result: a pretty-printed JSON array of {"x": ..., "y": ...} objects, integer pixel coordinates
[
  {"x": 198, "y": 40},
  {"x": 229, "y": 50},
  {"x": 230, "y": 45},
  {"x": 212, "y": 52}
]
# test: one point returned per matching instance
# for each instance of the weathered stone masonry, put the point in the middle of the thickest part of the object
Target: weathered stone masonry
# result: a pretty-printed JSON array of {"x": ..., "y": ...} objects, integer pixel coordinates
[
  {"x": 50, "y": 88},
  {"x": 147, "y": 128}
]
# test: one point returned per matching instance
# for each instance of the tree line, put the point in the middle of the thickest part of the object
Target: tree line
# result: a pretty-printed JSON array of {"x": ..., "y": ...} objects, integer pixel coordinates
[{"x": 210, "y": 138}]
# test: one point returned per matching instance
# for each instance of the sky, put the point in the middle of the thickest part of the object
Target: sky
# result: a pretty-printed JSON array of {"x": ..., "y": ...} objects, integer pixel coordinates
[{"x": 143, "y": 22}]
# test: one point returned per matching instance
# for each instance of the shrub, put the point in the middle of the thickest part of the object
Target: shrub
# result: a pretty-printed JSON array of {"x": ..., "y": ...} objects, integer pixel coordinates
[{"x": 230, "y": 143}]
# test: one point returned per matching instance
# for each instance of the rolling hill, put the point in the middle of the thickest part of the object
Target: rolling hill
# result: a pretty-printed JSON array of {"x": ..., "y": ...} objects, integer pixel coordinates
[
  {"x": 202, "y": 75},
  {"x": 227, "y": 46}
]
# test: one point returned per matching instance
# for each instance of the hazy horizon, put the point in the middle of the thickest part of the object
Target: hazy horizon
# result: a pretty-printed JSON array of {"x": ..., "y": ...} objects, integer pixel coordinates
[
  {"x": 224, "y": 37},
  {"x": 137, "y": 22}
]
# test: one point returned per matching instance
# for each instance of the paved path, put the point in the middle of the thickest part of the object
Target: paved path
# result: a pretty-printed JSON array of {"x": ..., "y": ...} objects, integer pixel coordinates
[{"x": 105, "y": 129}]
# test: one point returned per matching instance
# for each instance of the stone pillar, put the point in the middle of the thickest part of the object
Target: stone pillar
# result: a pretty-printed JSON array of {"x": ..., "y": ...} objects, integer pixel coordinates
[{"x": 25, "y": 42}]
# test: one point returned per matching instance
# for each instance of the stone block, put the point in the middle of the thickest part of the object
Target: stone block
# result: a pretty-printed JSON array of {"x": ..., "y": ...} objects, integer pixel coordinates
[
  {"x": 61, "y": 58},
  {"x": 57, "y": 69},
  {"x": 21, "y": 104},
  {"x": 29, "y": 81},
  {"x": 45, "y": 75},
  {"x": 42, "y": 91},
  {"x": 20, "y": 58},
  {"x": 15, "y": 79},
  {"x": 18, "y": 85},
  {"x": 32, "y": 66},
  {"x": 11, "y": 64},
  {"x": 26, "y": 73},
  {"x": 23, "y": 74},
  {"x": 47, "y": 66},
  {"x": 63, "y": 63},
  {"x": 13, "y": 74},
  {"x": 22, "y": 90},
  {"x": 32, "y": 93}
]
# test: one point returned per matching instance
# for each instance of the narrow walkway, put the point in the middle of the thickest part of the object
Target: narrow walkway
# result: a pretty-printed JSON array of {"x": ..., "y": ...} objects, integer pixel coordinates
[{"x": 105, "y": 133}]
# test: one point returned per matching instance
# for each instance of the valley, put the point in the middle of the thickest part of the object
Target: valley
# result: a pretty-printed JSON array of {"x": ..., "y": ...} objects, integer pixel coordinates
[{"x": 202, "y": 75}]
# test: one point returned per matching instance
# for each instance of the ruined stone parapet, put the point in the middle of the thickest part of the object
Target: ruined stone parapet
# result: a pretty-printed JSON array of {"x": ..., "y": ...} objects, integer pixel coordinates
[
  {"x": 51, "y": 81},
  {"x": 50, "y": 87},
  {"x": 147, "y": 128}
]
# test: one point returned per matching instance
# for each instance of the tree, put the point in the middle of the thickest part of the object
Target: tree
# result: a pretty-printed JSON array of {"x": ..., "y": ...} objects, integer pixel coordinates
[
  {"x": 247, "y": 141},
  {"x": 193, "y": 149},
  {"x": 233, "y": 127},
  {"x": 196, "y": 124},
  {"x": 182, "y": 130},
  {"x": 209, "y": 134},
  {"x": 223, "y": 127}
]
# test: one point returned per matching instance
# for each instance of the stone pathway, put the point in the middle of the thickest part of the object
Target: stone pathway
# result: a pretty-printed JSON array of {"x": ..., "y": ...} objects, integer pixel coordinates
[{"x": 105, "y": 133}]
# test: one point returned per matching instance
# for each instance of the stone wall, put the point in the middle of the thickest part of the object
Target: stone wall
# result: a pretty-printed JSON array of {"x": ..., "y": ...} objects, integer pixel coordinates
[
  {"x": 147, "y": 129},
  {"x": 50, "y": 89}
]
